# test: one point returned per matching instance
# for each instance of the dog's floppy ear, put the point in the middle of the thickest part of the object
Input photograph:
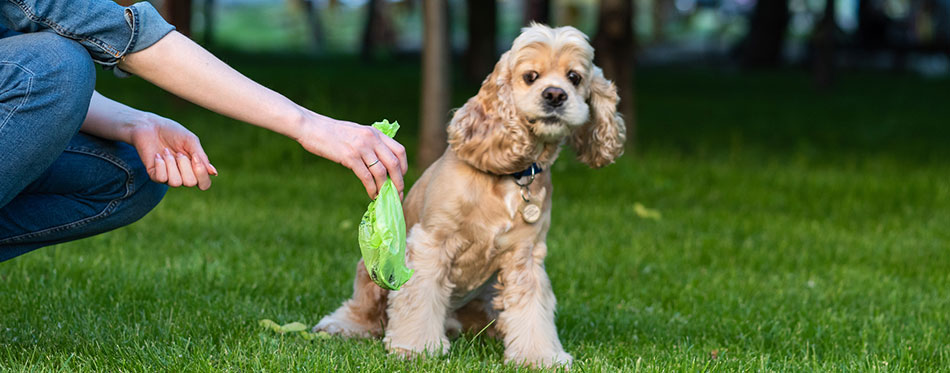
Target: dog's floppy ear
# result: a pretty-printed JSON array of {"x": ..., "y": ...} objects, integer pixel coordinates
[
  {"x": 486, "y": 132},
  {"x": 600, "y": 141}
]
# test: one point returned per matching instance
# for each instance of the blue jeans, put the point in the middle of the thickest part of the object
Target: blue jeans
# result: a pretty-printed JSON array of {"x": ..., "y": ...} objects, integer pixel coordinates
[{"x": 57, "y": 184}]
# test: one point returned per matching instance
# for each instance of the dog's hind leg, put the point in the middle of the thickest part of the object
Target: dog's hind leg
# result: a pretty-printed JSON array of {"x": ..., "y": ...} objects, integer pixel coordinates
[{"x": 360, "y": 316}]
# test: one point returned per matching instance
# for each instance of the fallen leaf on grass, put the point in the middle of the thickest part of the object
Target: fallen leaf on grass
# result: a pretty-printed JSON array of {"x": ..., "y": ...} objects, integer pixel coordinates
[
  {"x": 270, "y": 324},
  {"x": 646, "y": 213},
  {"x": 294, "y": 327}
]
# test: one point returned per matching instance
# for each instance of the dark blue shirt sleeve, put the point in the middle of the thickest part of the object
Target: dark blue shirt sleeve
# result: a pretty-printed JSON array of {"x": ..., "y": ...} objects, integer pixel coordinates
[{"x": 107, "y": 30}]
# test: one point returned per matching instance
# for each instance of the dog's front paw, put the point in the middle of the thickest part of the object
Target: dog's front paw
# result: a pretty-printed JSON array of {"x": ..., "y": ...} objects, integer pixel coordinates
[
  {"x": 551, "y": 360},
  {"x": 335, "y": 325},
  {"x": 410, "y": 349}
]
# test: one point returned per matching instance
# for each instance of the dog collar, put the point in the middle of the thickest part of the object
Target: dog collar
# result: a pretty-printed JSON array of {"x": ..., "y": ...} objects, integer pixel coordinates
[{"x": 530, "y": 171}]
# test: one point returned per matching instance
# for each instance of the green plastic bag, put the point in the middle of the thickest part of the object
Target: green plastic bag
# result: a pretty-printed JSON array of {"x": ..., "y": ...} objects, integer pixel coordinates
[{"x": 383, "y": 232}]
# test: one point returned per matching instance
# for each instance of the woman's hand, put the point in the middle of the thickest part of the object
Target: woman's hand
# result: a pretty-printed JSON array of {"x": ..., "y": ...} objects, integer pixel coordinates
[
  {"x": 365, "y": 150},
  {"x": 171, "y": 154}
]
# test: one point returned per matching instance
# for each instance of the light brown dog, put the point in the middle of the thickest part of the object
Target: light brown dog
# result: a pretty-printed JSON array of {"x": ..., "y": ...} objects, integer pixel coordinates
[{"x": 476, "y": 235}]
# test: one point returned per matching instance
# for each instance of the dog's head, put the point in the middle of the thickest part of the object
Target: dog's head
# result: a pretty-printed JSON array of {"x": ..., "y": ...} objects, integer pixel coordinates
[{"x": 544, "y": 90}]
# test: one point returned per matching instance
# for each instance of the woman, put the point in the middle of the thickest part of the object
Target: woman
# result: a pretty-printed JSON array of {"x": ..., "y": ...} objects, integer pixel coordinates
[{"x": 74, "y": 163}]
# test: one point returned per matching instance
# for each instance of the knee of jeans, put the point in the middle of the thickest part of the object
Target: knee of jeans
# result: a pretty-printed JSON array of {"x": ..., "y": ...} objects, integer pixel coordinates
[
  {"x": 146, "y": 197},
  {"x": 69, "y": 70}
]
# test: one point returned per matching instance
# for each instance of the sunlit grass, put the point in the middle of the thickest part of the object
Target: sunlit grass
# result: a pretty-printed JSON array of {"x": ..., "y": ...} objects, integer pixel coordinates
[{"x": 798, "y": 231}]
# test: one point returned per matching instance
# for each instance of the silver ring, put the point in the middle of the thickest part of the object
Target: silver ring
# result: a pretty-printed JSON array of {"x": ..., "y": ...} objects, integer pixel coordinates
[{"x": 372, "y": 164}]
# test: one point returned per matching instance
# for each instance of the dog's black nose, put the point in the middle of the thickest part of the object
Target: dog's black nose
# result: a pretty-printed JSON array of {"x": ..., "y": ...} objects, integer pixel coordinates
[{"x": 554, "y": 96}]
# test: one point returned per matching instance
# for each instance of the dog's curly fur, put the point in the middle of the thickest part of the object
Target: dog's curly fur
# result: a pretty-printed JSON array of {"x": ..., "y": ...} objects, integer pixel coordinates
[{"x": 476, "y": 259}]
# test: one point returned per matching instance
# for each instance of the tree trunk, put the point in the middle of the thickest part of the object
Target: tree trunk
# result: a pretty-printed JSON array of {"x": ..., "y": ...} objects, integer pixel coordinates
[
  {"x": 313, "y": 22},
  {"x": 537, "y": 11},
  {"x": 435, "y": 83},
  {"x": 178, "y": 13},
  {"x": 378, "y": 31},
  {"x": 482, "y": 22},
  {"x": 872, "y": 26},
  {"x": 663, "y": 10},
  {"x": 824, "y": 47},
  {"x": 942, "y": 26},
  {"x": 209, "y": 22},
  {"x": 763, "y": 44},
  {"x": 614, "y": 45}
]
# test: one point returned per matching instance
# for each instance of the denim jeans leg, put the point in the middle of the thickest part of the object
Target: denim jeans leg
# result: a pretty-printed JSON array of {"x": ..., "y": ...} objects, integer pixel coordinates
[
  {"x": 51, "y": 193},
  {"x": 93, "y": 187},
  {"x": 46, "y": 82}
]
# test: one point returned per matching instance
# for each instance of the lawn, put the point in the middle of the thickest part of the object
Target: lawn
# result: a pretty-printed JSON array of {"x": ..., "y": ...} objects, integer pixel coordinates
[{"x": 800, "y": 231}]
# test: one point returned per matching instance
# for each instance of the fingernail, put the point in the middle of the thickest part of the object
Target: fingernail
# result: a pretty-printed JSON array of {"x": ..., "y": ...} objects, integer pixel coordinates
[
  {"x": 181, "y": 155},
  {"x": 168, "y": 152},
  {"x": 158, "y": 157},
  {"x": 214, "y": 170}
]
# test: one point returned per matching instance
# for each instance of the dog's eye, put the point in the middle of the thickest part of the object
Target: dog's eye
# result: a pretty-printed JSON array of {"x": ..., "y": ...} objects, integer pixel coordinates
[
  {"x": 530, "y": 77},
  {"x": 574, "y": 77}
]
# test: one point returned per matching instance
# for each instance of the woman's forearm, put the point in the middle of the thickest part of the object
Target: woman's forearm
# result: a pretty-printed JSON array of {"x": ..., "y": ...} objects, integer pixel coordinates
[{"x": 178, "y": 65}]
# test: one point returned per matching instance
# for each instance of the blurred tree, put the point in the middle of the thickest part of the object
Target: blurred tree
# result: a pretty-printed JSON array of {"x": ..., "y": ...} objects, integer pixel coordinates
[
  {"x": 378, "y": 30},
  {"x": 823, "y": 42},
  {"x": 872, "y": 25},
  {"x": 569, "y": 14},
  {"x": 942, "y": 25},
  {"x": 208, "y": 13},
  {"x": 762, "y": 46},
  {"x": 663, "y": 10},
  {"x": 482, "y": 26},
  {"x": 537, "y": 11},
  {"x": 311, "y": 11},
  {"x": 614, "y": 45},
  {"x": 435, "y": 82},
  {"x": 178, "y": 13}
]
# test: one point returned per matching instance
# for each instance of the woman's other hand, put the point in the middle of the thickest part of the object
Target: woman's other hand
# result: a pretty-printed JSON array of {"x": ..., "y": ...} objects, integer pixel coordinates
[{"x": 171, "y": 153}]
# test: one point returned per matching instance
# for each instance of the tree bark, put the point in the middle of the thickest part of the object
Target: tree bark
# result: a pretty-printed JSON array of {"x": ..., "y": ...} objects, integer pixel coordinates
[
  {"x": 178, "y": 13},
  {"x": 209, "y": 22},
  {"x": 482, "y": 25},
  {"x": 313, "y": 22},
  {"x": 824, "y": 47},
  {"x": 872, "y": 26},
  {"x": 763, "y": 44},
  {"x": 537, "y": 11},
  {"x": 435, "y": 83},
  {"x": 663, "y": 10},
  {"x": 378, "y": 31},
  {"x": 614, "y": 45}
]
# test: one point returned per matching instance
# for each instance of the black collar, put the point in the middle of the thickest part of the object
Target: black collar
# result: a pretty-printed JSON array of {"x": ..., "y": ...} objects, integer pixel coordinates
[{"x": 530, "y": 171}]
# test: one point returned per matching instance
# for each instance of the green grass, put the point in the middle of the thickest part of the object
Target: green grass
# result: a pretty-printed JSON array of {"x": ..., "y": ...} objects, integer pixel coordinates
[{"x": 799, "y": 231}]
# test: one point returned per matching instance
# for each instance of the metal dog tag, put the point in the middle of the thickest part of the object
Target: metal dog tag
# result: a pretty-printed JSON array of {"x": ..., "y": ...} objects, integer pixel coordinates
[{"x": 531, "y": 213}]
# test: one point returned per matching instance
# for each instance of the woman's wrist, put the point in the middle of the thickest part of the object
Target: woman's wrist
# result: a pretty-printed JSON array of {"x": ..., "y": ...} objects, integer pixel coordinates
[
  {"x": 310, "y": 126},
  {"x": 114, "y": 121},
  {"x": 135, "y": 122},
  {"x": 294, "y": 123}
]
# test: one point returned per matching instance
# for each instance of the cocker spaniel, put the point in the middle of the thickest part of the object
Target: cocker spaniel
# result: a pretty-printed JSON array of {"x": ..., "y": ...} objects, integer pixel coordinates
[{"x": 479, "y": 216}]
